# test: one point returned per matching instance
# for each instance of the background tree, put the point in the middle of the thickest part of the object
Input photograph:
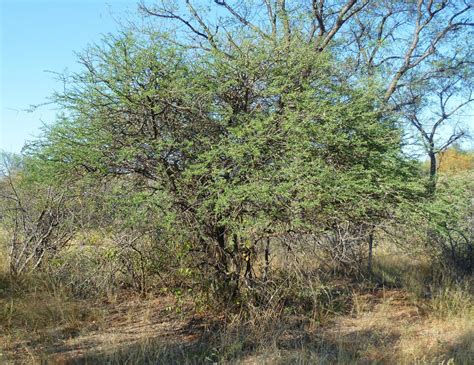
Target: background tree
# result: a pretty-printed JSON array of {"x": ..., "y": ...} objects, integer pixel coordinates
[{"x": 454, "y": 160}]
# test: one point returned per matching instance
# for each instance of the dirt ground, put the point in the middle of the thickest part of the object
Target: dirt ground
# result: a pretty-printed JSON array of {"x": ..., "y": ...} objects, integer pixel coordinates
[{"x": 384, "y": 327}]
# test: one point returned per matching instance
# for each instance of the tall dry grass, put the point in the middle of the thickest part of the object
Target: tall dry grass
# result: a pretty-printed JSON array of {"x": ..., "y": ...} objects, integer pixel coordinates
[{"x": 404, "y": 313}]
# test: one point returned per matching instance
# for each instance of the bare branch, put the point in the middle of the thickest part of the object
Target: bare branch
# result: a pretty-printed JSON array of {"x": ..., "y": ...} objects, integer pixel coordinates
[
  {"x": 168, "y": 14},
  {"x": 344, "y": 15},
  {"x": 241, "y": 19}
]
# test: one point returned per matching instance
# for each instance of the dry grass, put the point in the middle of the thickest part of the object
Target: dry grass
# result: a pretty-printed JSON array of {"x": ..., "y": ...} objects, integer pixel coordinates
[
  {"x": 387, "y": 328},
  {"x": 400, "y": 318},
  {"x": 33, "y": 318}
]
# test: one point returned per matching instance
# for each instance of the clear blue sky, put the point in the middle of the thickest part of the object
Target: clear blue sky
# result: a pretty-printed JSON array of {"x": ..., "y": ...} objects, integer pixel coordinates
[{"x": 39, "y": 35}]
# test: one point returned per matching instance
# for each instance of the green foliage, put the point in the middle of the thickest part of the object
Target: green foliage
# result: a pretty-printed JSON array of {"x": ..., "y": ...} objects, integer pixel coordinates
[
  {"x": 450, "y": 220},
  {"x": 263, "y": 139}
]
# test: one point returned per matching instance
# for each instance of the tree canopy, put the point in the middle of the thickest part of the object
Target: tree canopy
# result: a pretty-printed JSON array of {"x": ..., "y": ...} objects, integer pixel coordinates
[{"x": 262, "y": 139}]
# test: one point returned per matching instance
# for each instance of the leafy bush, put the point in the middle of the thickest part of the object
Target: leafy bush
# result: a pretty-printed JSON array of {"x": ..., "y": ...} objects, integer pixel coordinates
[{"x": 451, "y": 222}]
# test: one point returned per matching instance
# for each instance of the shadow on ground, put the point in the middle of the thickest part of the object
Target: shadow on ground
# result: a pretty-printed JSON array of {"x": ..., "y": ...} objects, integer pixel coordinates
[
  {"x": 214, "y": 345},
  {"x": 462, "y": 351}
]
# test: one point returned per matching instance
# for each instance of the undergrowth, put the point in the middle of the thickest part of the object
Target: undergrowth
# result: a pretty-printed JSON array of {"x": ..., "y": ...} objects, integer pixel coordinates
[{"x": 302, "y": 317}]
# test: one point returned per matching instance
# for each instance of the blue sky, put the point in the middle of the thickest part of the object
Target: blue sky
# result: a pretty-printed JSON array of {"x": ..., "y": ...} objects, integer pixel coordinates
[{"x": 36, "y": 36}]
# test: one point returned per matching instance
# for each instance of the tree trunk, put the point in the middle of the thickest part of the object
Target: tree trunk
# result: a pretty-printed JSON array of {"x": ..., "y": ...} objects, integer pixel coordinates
[
  {"x": 222, "y": 259},
  {"x": 267, "y": 259},
  {"x": 433, "y": 172},
  {"x": 371, "y": 244}
]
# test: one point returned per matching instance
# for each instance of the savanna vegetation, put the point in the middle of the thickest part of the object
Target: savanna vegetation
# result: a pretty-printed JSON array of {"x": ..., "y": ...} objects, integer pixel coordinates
[{"x": 250, "y": 182}]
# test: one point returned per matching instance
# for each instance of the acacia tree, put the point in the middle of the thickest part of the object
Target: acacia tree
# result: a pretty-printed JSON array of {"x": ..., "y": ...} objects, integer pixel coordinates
[{"x": 237, "y": 144}]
